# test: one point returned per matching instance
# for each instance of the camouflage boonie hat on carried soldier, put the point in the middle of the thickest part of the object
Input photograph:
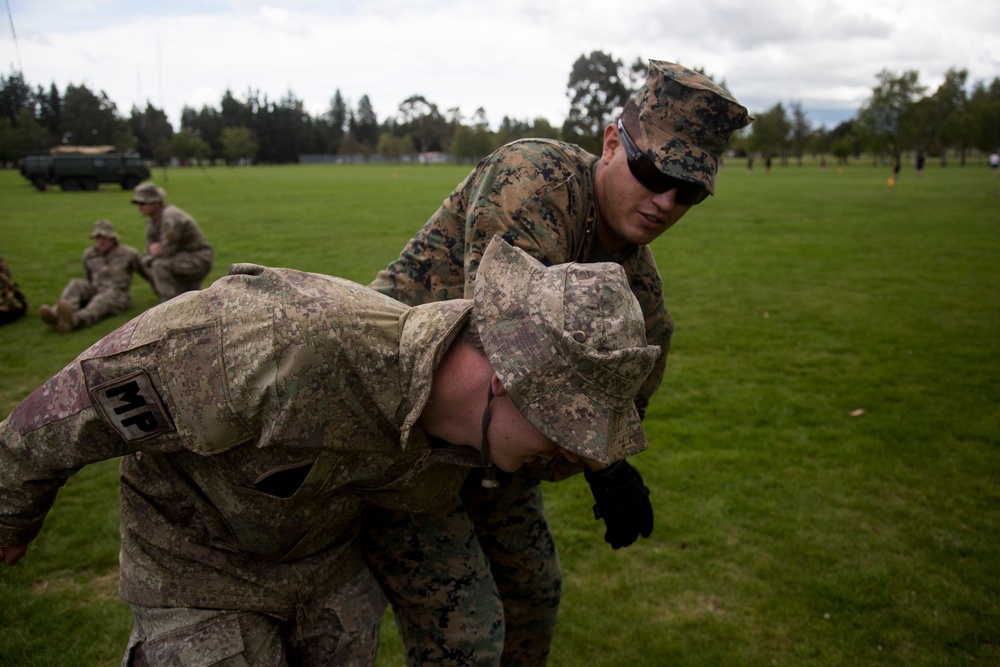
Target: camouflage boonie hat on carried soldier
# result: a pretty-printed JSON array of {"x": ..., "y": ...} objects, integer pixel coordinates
[
  {"x": 104, "y": 228},
  {"x": 686, "y": 121},
  {"x": 568, "y": 343},
  {"x": 147, "y": 193}
]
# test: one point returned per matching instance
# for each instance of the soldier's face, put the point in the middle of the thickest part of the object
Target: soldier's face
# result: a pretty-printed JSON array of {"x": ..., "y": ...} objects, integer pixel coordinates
[
  {"x": 104, "y": 243},
  {"x": 631, "y": 214},
  {"x": 148, "y": 209},
  {"x": 514, "y": 441}
]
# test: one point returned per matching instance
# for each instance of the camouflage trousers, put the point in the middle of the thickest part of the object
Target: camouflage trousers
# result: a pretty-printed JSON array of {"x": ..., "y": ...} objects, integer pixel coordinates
[
  {"x": 178, "y": 273},
  {"x": 340, "y": 629},
  {"x": 478, "y": 584},
  {"x": 89, "y": 305}
]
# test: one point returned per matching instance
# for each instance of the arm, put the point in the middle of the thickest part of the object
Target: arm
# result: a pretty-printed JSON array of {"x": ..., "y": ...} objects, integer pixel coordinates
[
  {"x": 536, "y": 194},
  {"x": 47, "y": 438},
  {"x": 86, "y": 267},
  {"x": 646, "y": 284},
  {"x": 179, "y": 233}
]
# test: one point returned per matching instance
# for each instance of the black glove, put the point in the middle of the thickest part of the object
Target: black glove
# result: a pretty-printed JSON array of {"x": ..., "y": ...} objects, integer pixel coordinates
[{"x": 623, "y": 502}]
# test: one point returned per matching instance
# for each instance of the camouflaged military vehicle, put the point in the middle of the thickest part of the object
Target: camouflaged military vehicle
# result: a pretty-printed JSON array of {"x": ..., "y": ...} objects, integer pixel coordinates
[{"x": 84, "y": 168}]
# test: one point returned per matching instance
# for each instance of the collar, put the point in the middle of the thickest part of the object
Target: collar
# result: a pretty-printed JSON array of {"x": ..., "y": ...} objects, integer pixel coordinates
[{"x": 427, "y": 333}]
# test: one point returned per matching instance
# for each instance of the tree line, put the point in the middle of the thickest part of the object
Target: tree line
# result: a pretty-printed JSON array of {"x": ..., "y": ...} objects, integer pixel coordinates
[{"x": 898, "y": 117}]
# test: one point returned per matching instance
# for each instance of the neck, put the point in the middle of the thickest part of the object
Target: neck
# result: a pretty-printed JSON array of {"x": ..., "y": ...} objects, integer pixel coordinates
[{"x": 611, "y": 242}]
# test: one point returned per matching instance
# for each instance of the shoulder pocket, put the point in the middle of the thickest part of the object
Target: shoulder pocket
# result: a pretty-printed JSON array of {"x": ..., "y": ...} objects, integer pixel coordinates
[
  {"x": 196, "y": 385},
  {"x": 172, "y": 389}
]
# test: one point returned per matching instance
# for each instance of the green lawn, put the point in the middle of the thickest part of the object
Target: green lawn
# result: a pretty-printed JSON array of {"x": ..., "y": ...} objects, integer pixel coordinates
[{"x": 824, "y": 455}]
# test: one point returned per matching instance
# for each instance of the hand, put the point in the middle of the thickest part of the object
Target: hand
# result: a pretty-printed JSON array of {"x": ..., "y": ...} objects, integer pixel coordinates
[
  {"x": 622, "y": 500},
  {"x": 155, "y": 249},
  {"x": 11, "y": 555}
]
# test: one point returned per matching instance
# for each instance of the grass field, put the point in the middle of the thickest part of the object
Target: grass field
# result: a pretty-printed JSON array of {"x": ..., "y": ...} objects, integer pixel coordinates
[{"x": 824, "y": 455}]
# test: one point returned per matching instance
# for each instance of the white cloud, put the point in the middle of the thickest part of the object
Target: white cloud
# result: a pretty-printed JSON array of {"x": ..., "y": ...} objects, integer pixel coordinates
[{"x": 511, "y": 58}]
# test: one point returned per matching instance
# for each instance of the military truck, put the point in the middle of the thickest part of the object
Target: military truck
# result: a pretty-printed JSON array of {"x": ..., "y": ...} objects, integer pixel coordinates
[{"x": 84, "y": 168}]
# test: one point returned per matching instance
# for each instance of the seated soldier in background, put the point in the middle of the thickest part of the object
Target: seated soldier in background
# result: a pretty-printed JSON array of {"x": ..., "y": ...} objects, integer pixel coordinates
[
  {"x": 106, "y": 291},
  {"x": 13, "y": 304},
  {"x": 178, "y": 258},
  {"x": 259, "y": 417}
]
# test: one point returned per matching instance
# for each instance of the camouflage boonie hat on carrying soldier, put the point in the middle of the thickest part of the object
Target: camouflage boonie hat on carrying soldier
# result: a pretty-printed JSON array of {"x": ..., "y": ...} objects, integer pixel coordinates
[
  {"x": 104, "y": 228},
  {"x": 686, "y": 121},
  {"x": 568, "y": 343},
  {"x": 147, "y": 193}
]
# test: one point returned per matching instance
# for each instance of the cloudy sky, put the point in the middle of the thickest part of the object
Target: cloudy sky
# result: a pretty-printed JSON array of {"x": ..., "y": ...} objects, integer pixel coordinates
[{"x": 512, "y": 58}]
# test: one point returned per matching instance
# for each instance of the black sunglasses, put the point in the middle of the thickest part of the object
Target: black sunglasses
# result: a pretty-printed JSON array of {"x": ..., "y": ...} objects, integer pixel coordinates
[{"x": 651, "y": 178}]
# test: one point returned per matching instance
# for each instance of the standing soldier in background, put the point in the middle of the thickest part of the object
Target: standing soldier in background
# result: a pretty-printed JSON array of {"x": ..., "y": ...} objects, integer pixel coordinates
[
  {"x": 108, "y": 266},
  {"x": 560, "y": 204},
  {"x": 178, "y": 258}
]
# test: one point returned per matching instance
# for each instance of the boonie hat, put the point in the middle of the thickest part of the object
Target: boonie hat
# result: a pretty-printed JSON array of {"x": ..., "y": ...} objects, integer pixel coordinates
[
  {"x": 104, "y": 228},
  {"x": 568, "y": 343},
  {"x": 686, "y": 121},
  {"x": 147, "y": 193}
]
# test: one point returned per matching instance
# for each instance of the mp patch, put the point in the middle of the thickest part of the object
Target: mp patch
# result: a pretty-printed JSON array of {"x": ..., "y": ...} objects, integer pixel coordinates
[{"x": 131, "y": 405}]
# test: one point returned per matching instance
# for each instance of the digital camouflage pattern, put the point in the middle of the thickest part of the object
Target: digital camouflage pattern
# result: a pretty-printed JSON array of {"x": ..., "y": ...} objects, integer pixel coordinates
[
  {"x": 568, "y": 345},
  {"x": 257, "y": 419},
  {"x": 107, "y": 289},
  {"x": 337, "y": 629},
  {"x": 13, "y": 303},
  {"x": 538, "y": 195},
  {"x": 686, "y": 121},
  {"x": 447, "y": 607},
  {"x": 186, "y": 256}
]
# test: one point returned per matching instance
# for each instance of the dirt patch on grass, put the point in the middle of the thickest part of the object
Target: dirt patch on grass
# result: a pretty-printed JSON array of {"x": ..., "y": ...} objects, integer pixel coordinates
[
  {"x": 101, "y": 586},
  {"x": 690, "y": 606}
]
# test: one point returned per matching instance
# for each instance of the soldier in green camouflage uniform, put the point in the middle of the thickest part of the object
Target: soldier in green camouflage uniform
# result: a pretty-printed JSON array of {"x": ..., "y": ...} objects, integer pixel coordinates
[
  {"x": 560, "y": 204},
  {"x": 109, "y": 266},
  {"x": 13, "y": 304},
  {"x": 258, "y": 418},
  {"x": 178, "y": 258}
]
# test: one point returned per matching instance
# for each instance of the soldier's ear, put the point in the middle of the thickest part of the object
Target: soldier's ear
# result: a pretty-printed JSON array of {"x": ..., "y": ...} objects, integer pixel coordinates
[
  {"x": 612, "y": 142},
  {"x": 498, "y": 388}
]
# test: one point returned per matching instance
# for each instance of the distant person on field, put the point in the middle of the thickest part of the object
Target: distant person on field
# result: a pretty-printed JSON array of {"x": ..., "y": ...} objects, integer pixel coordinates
[
  {"x": 106, "y": 291},
  {"x": 921, "y": 159},
  {"x": 13, "y": 304},
  {"x": 178, "y": 258},
  {"x": 994, "y": 162},
  {"x": 896, "y": 166}
]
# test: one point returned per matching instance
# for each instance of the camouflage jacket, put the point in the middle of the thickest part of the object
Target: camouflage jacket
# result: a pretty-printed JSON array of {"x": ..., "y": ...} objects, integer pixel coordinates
[
  {"x": 176, "y": 231},
  {"x": 256, "y": 419},
  {"x": 539, "y": 196},
  {"x": 114, "y": 270}
]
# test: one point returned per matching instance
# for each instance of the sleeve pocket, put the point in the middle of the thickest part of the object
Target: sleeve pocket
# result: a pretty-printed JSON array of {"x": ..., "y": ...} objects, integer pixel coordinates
[{"x": 195, "y": 378}]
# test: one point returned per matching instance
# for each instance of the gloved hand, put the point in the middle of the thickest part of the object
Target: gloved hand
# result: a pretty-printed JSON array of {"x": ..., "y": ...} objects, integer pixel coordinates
[{"x": 622, "y": 500}]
